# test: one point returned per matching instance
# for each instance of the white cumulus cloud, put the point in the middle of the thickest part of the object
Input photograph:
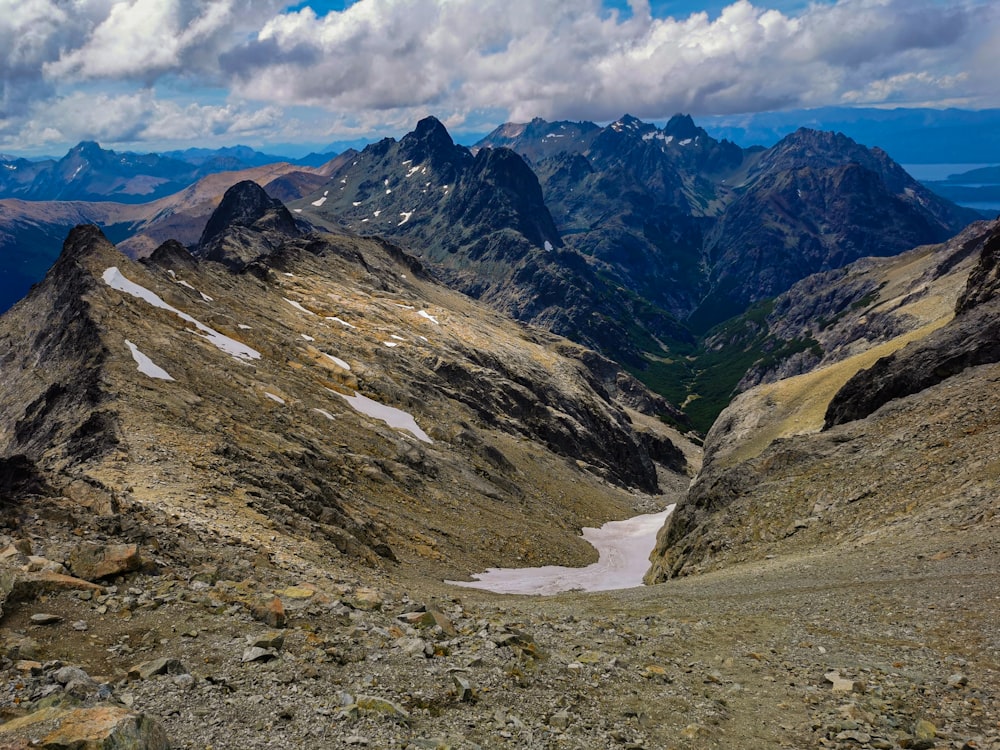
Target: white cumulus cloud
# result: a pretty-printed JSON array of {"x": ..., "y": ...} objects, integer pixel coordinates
[{"x": 218, "y": 66}]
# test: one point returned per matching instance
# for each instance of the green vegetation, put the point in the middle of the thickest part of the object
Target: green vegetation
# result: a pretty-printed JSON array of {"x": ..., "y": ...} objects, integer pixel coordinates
[{"x": 703, "y": 378}]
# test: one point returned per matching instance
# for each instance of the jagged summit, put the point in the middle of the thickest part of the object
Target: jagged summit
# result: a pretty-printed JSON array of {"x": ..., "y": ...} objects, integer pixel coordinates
[
  {"x": 243, "y": 205},
  {"x": 228, "y": 238},
  {"x": 682, "y": 126}
]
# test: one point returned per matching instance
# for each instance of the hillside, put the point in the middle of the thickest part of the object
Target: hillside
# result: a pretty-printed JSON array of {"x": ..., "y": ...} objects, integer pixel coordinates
[{"x": 887, "y": 435}]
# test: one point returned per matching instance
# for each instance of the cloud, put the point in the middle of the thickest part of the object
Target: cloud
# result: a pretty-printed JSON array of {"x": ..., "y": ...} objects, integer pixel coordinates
[
  {"x": 140, "y": 117},
  {"x": 553, "y": 58},
  {"x": 158, "y": 66}
]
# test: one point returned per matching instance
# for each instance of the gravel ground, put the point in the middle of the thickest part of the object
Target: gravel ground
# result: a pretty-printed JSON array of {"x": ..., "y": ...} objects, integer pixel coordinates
[{"x": 895, "y": 645}]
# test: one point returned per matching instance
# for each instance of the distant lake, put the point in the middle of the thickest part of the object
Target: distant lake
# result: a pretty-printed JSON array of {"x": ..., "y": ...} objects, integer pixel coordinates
[{"x": 939, "y": 171}]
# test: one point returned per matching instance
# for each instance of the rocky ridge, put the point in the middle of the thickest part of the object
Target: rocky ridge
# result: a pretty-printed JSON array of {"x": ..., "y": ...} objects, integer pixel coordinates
[{"x": 812, "y": 459}]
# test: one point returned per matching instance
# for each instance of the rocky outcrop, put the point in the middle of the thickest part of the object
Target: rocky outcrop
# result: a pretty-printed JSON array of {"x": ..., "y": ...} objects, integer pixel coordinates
[
  {"x": 247, "y": 225},
  {"x": 971, "y": 339}
]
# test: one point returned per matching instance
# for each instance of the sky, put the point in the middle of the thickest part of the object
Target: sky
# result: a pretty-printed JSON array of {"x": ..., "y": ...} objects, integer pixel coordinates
[{"x": 146, "y": 75}]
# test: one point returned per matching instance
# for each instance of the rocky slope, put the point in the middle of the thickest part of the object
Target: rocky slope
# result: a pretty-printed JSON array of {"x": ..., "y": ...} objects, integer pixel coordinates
[
  {"x": 253, "y": 398},
  {"x": 207, "y": 560},
  {"x": 813, "y": 460},
  {"x": 480, "y": 223}
]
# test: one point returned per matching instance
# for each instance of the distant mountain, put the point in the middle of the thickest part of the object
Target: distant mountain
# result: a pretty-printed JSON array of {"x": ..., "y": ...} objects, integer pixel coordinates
[
  {"x": 703, "y": 228},
  {"x": 976, "y": 188},
  {"x": 909, "y": 135},
  {"x": 481, "y": 223},
  {"x": 91, "y": 173},
  {"x": 32, "y": 232}
]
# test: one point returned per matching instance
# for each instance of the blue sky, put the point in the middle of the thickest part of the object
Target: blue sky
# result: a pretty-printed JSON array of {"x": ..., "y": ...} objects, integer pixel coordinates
[{"x": 159, "y": 74}]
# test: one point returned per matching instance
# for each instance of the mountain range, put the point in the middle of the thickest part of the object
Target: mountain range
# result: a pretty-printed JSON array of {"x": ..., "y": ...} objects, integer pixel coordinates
[
  {"x": 241, "y": 461},
  {"x": 630, "y": 239}
]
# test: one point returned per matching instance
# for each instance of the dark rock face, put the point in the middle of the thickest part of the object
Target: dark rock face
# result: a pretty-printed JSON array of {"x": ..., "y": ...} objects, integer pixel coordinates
[
  {"x": 971, "y": 339},
  {"x": 247, "y": 225},
  {"x": 67, "y": 410}
]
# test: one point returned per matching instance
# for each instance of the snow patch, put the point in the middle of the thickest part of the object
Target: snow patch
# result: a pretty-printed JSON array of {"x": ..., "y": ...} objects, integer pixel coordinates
[
  {"x": 376, "y": 213},
  {"x": 297, "y": 306},
  {"x": 390, "y": 344},
  {"x": 548, "y": 246},
  {"x": 326, "y": 414},
  {"x": 146, "y": 365},
  {"x": 396, "y": 418},
  {"x": 344, "y": 323},
  {"x": 685, "y": 142},
  {"x": 114, "y": 278},
  {"x": 623, "y": 549},
  {"x": 319, "y": 202},
  {"x": 406, "y": 217},
  {"x": 428, "y": 316},
  {"x": 273, "y": 397},
  {"x": 356, "y": 204},
  {"x": 337, "y": 361},
  {"x": 307, "y": 337}
]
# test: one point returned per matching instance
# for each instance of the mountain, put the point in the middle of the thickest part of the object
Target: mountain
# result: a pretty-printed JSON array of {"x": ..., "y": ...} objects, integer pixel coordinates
[
  {"x": 481, "y": 223},
  {"x": 254, "y": 380},
  {"x": 91, "y": 173},
  {"x": 874, "y": 433},
  {"x": 704, "y": 228},
  {"x": 32, "y": 232},
  {"x": 229, "y": 492}
]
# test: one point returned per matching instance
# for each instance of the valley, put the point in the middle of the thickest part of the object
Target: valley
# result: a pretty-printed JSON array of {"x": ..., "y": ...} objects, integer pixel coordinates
[{"x": 246, "y": 448}]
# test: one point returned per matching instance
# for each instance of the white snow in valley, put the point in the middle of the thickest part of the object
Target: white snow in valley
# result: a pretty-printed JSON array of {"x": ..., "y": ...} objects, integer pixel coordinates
[
  {"x": 413, "y": 171},
  {"x": 297, "y": 306},
  {"x": 398, "y": 338},
  {"x": 376, "y": 213},
  {"x": 146, "y": 365},
  {"x": 428, "y": 316},
  {"x": 206, "y": 297},
  {"x": 244, "y": 327},
  {"x": 326, "y": 414},
  {"x": 390, "y": 344},
  {"x": 405, "y": 307},
  {"x": 319, "y": 202},
  {"x": 185, "y": 283},
  {"x": 116, "y": 280},
  {"x": 406, "y": 217},
  {"x": 356, "y": 203},
  {"x": 685, "y": 142},
  {"x": 337, "y": 361},
  {"x": 392, "y": 416},
  {"x": 342, "y": 322},
  {"x": 623, "y": 549},
  {"x": 548, "y": 246},
  {"x": 307, "y": 337},
  {"x": 275, "y": 398}
]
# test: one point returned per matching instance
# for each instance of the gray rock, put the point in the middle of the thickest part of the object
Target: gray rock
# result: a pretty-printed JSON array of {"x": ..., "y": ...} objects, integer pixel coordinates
[{"x": 44, "y": 618}]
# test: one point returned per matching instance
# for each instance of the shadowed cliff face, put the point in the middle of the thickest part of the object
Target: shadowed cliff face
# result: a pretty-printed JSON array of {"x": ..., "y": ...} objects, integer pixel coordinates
[
  {"x": 322, "y": 385},
  {"x": 971, "y": 339},
  {"x": 888, "y": 436}
]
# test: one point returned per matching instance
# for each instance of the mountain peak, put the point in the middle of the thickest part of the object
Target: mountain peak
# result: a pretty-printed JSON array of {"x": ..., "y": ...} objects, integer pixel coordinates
[
  {"x": 627, "y": 123},
  {"x": 682, "y": 126},
  {"x": 432, "y": 131}
]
